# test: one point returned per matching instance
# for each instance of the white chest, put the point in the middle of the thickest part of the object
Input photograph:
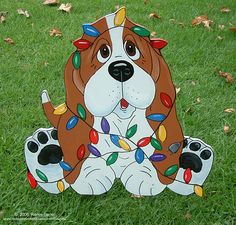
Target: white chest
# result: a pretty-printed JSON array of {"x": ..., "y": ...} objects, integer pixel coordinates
[{"x": 126, "y": 147}]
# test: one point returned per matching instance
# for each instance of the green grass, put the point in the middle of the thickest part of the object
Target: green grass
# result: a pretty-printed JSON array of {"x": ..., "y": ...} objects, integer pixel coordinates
[{"x": 193, "y": 54}]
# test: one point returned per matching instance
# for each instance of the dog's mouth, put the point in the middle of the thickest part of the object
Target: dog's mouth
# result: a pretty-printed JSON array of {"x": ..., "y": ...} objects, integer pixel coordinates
[{"x": 124, "y": 104}]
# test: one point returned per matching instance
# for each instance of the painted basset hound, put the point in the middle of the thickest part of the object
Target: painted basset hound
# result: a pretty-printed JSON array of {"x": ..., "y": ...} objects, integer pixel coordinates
[{"x": 119, "y": 120}]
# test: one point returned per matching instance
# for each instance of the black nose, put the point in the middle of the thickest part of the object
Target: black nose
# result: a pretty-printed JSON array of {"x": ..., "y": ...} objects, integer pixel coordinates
[{"x": 121, "y": 70}]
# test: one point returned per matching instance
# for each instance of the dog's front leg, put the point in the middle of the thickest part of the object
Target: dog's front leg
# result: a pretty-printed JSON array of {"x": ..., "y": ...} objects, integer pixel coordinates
[
  {"x": 142, "y": 179},
  {"x": 95, "y": 177}
]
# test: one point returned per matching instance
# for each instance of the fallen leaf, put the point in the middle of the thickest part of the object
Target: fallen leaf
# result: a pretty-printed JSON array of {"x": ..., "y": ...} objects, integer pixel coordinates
[
  {"x": 23, "y": 12},
  {"x": 46, "y": 64},
  {"x": 65, "y": 7},
  {"x": 222, "y": 26},
  {"x": 225, "y": 10},
  {"x": 220, "y": 38},
  {"x": 229, "y": 110},
  {"x": 154, "y": 16},
  {"x": 146, "y": 2},
  {"x": 177, "y": 90},
  {"x": 55, "y": 32},
  {"x": 202, "y": 20},
  {"x": 3, "y": 16},
  {"x": 198, "y": 100},
  {"x": 228, "y": 77},
  {"x": 189, "y": 110},
  {"x": 188, "y": 216},
  {"x": 193, "y": 82},
  {"x": 136, "y": 196},
  {"x": 233, "y": 29},
  {"x": 1, "y": 214},
  {"x": 50, "y": 2},
  {"x": 172, "y": 21},
  {"x": 9, "y": 41},
  {"x": 226, "y": 129},
  {"x": 153, "y": 33}
]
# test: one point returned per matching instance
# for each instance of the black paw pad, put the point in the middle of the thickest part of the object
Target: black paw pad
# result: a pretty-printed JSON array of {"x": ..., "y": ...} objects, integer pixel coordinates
[
  {"x": 190, "y": 160},
  {"x": 42, "y": 137},
  {"x": 50, "y": 154},
  {"x": 206, "y": 154},
  {"x": 32, "y": 146},
  {"x": 54, "y": 134},
  {"x": 195, "y": 146}
]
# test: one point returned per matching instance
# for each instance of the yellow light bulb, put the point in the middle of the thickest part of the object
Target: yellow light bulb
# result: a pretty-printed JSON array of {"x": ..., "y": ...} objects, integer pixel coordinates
[
  {"x": 162, "y": 133},
  {"x": 123, "y": 144},
  {"x": 198, "y": 190},
  {"x": 60, "y": 109},
  {"x": 120, "y": 16},
  {"x": 60, "y": 186}
]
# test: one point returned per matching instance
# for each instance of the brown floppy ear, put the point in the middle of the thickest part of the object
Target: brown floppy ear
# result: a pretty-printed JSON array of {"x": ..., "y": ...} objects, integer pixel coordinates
[
  {"x": 74, "y": 139},
  {"x": 163, "y": 120},
  {"x": 75, "y": 86}
]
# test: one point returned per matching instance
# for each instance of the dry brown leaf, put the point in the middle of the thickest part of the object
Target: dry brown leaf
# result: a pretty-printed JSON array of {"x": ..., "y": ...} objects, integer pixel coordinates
[
  {"x": 9, "y": 41},
  {"x": 153, "y": 33},
  {"x": 177, "y": 90},
  {"x": 222, "y": 26},
  {"x": 55, "y": 32},
  {"x": 146, "y": 2},
  {"x": 233, "y": 29},
  {"x": 3, "y": 16},
  {"x": 65, "y": 7},
  {"x": 23, "y": 12},
  {"x": 229, "y": 110},
  {"x": 228, "y": 77},
  {"x": 202, "y": 20},
  {"x": 225, "y": 10},
  {"x": 220, "y": 38},
  {"x": 50, "y": 2},
  {"x": 136, "y": 196},
  {"x": 226, "y": 129},
  {"x": 154, "y": 15}
]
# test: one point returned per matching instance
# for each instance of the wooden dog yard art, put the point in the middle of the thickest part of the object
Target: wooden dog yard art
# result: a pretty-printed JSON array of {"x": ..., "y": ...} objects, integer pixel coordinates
[{"x": 119, "y": 120}]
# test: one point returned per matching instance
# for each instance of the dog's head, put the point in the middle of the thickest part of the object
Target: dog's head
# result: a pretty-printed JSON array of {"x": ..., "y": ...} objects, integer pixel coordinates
[{"x": 117, "y": 68}]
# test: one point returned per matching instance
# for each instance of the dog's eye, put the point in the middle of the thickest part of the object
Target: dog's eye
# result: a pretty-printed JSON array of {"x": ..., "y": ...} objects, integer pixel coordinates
[
  {"x": 132, "y": 50},
  {"x": 104, "y": 53}
]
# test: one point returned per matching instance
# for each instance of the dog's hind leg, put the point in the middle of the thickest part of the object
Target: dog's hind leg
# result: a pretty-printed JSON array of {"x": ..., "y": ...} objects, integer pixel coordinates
[{"x": 49, "y": 109}]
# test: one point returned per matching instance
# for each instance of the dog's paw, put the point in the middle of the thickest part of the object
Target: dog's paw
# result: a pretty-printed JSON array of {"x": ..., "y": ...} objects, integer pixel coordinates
[
  {"x": 95, "y": 177},
  {"x": 195, "y": 165},
  {"x": 43, "y": 154},
  {"x": 141, "y": 179}
]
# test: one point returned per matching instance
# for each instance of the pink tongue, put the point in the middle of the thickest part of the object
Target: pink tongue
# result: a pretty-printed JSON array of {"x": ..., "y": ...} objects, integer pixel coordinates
[{"x": 123, "y": 103}]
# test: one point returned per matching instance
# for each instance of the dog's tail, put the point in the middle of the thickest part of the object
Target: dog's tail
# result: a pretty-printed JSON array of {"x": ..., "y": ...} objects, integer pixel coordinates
[{"x": 49, "y": 109}]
